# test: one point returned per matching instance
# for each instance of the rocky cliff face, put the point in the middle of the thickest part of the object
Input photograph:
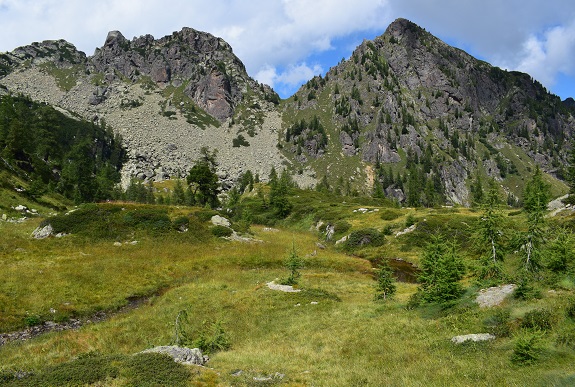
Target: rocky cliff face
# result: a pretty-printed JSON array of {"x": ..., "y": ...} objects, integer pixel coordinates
[
  {"x": 215, "y": 78},
  {"x": 412, "y": 104},
  {"x": 167, "y": 97}
]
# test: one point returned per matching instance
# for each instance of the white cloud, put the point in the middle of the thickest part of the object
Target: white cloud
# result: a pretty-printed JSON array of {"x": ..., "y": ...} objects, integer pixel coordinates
[{"x": 288, "y": 79}]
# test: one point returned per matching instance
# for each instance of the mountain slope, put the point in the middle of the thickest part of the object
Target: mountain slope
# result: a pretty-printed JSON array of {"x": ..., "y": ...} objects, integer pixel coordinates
[
  {"x": 407, "y": 103},
  {"x": 167, "y": 97},
  {"x": 407, "y": 116}
]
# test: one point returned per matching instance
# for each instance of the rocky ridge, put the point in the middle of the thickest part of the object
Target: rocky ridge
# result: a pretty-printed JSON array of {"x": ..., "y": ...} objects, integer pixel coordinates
[
  {"x": 162, "y": 96},
  {"x": 406, "y": 96}
]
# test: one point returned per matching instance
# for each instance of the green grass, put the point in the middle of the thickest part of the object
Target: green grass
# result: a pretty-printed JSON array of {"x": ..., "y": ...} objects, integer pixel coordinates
[{"x": 332, "y": 333}]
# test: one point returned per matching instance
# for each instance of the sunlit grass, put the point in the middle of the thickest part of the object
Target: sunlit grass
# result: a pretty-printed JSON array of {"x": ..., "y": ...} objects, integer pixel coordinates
[{"x": 332, "y": 333}]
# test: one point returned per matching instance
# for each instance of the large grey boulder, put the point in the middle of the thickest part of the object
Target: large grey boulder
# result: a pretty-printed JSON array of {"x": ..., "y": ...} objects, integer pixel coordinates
[{"x": 181, "y": 355}]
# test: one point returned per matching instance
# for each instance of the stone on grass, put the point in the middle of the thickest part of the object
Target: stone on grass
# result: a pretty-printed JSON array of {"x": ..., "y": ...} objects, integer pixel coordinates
[
  {"x": 181, "y": 355},
  {"x": 475, "y": 337},
  {"x": 43, "y": 232},
  {"x": 282, "y": 288},
  {"x": 494, "y": 296},
  {"x": 218, "y": 220}
]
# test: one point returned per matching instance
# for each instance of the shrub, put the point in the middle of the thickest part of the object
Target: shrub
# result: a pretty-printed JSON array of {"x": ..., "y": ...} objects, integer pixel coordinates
[
  {"x": 222, "y": 231},
  {"x": 390, "y": 214},
  {"x": 539, "y": 319},
  {"x": 156, "y": 369},
  {"x": 566, "y": 338},
  {"x": 34, "y": 320},
  {"x": 526, "y": 291},
  {"x": 570, "y": 309},
  {"x": 364, "y": 237},
  {"x": 293, "y": 263},
  {"x": 87, "y": 369},
  {"x": 211, "y": 338},
  {"x": 181, "y": 223},
  {"x": 385, "y": 287},
  {"x": 341, "y": 226},
  {"x": 526, "y": 350},
  {"x": 499, "y": 324},
  {"x": 409, "y": 220}
]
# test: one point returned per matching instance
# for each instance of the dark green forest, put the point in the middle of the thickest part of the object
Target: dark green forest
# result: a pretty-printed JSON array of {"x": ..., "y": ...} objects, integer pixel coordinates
[{"x": 56, "y": 153}]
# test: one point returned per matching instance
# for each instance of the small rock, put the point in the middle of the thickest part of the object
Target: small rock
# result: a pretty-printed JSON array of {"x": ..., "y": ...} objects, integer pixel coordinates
[
  {"x": 282, "y": 288},
  {"x": 494, "y": 296},
  {"x": 475, "y": 337},
  {"x": 181, "y": 354}
]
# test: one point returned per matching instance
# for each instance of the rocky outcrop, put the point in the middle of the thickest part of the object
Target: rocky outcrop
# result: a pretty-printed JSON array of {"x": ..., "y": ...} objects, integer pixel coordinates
[{"x": 215, "y": 77}]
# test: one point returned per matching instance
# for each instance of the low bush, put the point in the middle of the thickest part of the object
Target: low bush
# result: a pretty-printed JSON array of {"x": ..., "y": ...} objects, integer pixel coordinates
[
  {"x": 364, "y": 237},
  {"x": 570, "y": 309},
  {"x": 390, "y": 214},
  {"x": 155, "y": 369},
  {"x": 526, "y": 350},
  {"x": 341, "y": 226},
  {"x": 539, "y": 319},
  {"x": 499, "y": 324},
  {"x": 222, "y": 231}
]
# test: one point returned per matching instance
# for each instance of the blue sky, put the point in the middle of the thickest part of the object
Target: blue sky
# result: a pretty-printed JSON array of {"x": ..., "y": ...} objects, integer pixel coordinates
[{"x": 285, "y": 42}]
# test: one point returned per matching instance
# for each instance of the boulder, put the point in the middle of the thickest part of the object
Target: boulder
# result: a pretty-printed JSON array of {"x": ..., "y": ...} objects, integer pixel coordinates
[
  {"x": 43, "y": 232},
  {"x": 218, "y": 220},
  {"x": 181, "y": 355}
]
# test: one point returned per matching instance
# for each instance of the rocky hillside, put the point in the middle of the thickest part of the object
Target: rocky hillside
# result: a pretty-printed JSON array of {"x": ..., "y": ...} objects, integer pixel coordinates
[
  {"x": 167, "y": 97},
  {"x": 415, "y": 114}
]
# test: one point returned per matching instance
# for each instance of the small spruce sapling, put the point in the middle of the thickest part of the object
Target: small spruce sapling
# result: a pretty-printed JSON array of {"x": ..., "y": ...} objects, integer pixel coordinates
[
  {"x": 293, "y": 263},
  {"x": 385, "y": 287}
]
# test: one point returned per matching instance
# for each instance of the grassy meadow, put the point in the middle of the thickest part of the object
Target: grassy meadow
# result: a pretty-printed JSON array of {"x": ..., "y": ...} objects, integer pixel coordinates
[{"x": 332, "y": 333}]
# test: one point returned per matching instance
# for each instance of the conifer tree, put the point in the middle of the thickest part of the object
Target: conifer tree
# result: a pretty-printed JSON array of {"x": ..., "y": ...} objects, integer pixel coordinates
[
  {"x": 441, "y": 270},
  {"x": 535, "y": 199},
  {"x": 385, "y": 287},
  {"x": 488, "y": 234}
]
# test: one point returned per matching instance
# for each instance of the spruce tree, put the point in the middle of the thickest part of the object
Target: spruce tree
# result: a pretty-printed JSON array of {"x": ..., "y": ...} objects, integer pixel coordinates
[
  {"x": 535, "y": 199},
  {"x": 385, "y": 287},
  {"x": 488, "y": 233},
  {"x": 441, "y": 270}
]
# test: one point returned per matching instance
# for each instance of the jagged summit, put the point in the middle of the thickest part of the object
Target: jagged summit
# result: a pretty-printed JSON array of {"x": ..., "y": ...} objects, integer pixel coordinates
[
  {"x": 215, "y": 76},
  {"x": 411, "y": 103}
]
